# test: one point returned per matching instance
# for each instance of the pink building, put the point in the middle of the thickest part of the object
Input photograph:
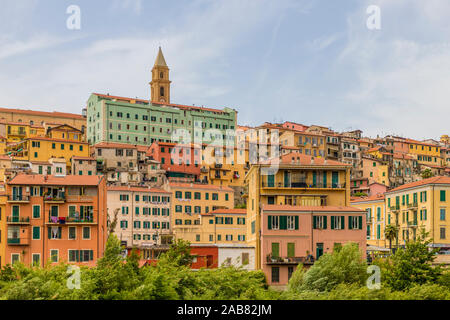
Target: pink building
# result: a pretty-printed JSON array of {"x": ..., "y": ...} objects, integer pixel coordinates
[{"x": 301, "y": 234}]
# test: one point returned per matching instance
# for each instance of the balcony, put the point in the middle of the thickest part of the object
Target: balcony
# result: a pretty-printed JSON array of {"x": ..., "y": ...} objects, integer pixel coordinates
[
  {"x": 395, "y": 208},
  {"x": 17, "y": 220},
  {"x": 412, "y": 224},
  {"x": 79, "y": 198},
  {"x": 71, "y": 220},
  {"x": 204, "y": 170},
  {"x": 272, "y": 260},
  {"x": 18, "y": 241},
  {"x": 412, "y": 205},
  {"x": 55, "y": 199},
  {"x": 18, "y": 198},
  {"x": 304, "y": 185}
]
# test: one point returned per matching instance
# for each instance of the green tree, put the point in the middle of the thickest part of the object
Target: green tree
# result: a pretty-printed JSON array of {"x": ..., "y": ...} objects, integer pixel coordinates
[
  {"x": 427, "y": 173},
  {"x": 342, "y": 266},
  {"x": 391, "y": 233},
  {"x": 412, "y": 265}
]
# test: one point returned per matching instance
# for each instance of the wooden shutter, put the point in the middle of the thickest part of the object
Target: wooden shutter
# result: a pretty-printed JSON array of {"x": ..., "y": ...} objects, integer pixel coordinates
[
  {"x": 269, "y": 222},
  {"x": 350, "y": 222},
  {"x": 332, "y": 222},
  {"x": 314, "y": 222},
  {"x": 324, "y": 222},
  {"x": 275, "y": 249},
  {"x": 343, "y": 222},
  {"x": 291, "y": 249},
  {"x": 91, "y": 255},
  {"x": 283, "y": 222},
  {"x": 296, "y": 222},
  {"x": 360, "y": 222}
]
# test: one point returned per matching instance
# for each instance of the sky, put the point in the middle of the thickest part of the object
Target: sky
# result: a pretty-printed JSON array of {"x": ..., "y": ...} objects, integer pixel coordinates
[{"x": 308, "y": 61}]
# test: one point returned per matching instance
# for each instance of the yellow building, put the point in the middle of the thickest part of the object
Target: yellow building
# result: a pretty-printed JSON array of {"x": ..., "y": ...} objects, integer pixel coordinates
[
  {"x": 298, "y": 180},
  {"x": 376, "y": 218},
  {"x": 3, "y": 231},
  {"x": 221, "y": 226},
  {"x": 18, "y": 131},
  {"x": 40, "y": 117},
  {"x": 421, "y": 204},
  {"x": 425, "y": 153},
  {"x": 190, "y": 202},
  {"x": 309, "y": 143},
  {"x": 225, "y": 167},
  {"x": 375, "y": 170},
  {"x": 62, "y": 141}
]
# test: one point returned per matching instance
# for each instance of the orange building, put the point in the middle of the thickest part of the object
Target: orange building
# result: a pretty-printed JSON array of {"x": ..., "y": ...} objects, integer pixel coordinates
[{"x": 55, "y": 219}]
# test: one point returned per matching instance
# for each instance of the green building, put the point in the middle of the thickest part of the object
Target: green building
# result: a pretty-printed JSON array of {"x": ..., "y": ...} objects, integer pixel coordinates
[{"x": 141, "y": 122}]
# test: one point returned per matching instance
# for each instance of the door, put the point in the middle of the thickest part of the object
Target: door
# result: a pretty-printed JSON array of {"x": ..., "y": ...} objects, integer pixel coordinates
[
  {"x": 275, "y": 249},
  {"x": 319, "y": 250},
  {"x": 54, "y": 211},
  {"x": 15, "y": 214},
  {"x": 287, "y": 179},
  {"x": 270, "y": 180},
  {"x": 335, "y": 179}
]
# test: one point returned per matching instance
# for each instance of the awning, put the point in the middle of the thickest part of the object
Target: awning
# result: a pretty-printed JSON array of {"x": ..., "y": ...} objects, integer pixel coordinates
[{"x": 375, "y": 248}]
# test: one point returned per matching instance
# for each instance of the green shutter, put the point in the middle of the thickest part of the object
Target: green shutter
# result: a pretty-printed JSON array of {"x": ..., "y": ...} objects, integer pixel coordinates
[
  {"x": 343, "y": 223},
  {"x": 91, "y": 254},
  {"x": 283, "y": 222},
  {"x": 296, "y": 222},
  {"x": 275, "y": 249},
  {"x": 314, "y": 222},
  {"x": 360, "y": 222},
  {"x": 269, "y": 222},
  {"x": 350, "y": 223},
  {"x": 324, "y": 222},
  {"x": 49, "y": 233},
  {"x": 332, "y": 222},
  {"x": 291, "y": 249}
]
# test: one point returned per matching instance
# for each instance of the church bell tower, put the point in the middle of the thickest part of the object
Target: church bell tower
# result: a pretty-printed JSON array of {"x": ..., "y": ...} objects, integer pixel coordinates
[{"x": 160, "y": 84}]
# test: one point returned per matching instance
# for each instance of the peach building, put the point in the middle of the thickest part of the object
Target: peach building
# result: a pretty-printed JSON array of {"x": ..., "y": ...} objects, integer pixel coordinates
[
  {"x": 143, "y": 214},
  {"x": 301, "y": 234},
  {"x": 55, "y": 219}
]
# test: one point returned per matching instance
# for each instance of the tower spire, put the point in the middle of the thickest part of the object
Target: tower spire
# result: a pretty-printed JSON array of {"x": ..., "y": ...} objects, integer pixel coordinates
[{"x": 160, "y": 84}]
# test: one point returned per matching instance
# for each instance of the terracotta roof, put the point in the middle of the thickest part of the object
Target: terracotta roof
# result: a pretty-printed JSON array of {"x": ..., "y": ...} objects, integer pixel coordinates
[
  {"x": 37, "y": 179},
  {"x": 56, "y": 140},
  {"x": 274, "y": 207},
  {"x": 199, "y": 186},
  {"x": 83, "y": 158},
  {"x": 229, "y": 211},
  {"x": 137, "y": 189},
  {"x": 370, "y": 198},
  {"x": 119, "y": 98},
  {"x": 398, "y": 155},
  {"x": 54, "y": 114},
  {"x": 411, "y": 141},
  {"x": 110, "y": 145},
  {"x": 432, "y": 180},
  {"x": 302, "y": 159}
]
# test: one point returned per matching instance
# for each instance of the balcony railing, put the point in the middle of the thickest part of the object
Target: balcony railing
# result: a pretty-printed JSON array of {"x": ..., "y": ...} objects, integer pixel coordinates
[
  {"x": 18, "y": 220},
  {"x": 204, "y": 170},
  {"x": 18, "y": 241},
  {"x": 412, "y": 205},
  {"x": 59, "y": 198},
  {"x": 395, "y": 207},
  {"x": 304, "y": 185},
  {"x": 69, "y": 220},
  {"x": 412, "y": 223},
  {"x": 289, "y": 260},
  {"x": 18, "y": 198}
]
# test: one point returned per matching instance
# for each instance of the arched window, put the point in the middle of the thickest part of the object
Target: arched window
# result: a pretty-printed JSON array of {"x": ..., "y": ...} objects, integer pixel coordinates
[
  {"x": 161, "y": 75},
  {"x": 161, "y": 91}
]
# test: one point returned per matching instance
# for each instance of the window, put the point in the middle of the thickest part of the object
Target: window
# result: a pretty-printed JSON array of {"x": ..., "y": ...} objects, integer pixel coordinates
[
  {"x": 36, "y": 212},
  {"x": 442, "y": 233},
  {"x": 442, "y": 195},
  {"x": 319, "y": 222},
  {"x": 442, "y": 214},
  {"x": 36, "y": 257},
  {"x": 197, "y": 196},
  {"x": 86, "y": 233},
  {"x": 72, "y": 233},
  {"x": 275, "y": 274},
  {"x": 36, "y": 233},
  {"x": 54, "y": 255},
  {"x": 337, "y": 222},
  {"x": 355, "y": 222}
]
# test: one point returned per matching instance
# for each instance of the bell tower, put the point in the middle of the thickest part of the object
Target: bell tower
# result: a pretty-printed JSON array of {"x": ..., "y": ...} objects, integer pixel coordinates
[{"x": 160, "y": 84}]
